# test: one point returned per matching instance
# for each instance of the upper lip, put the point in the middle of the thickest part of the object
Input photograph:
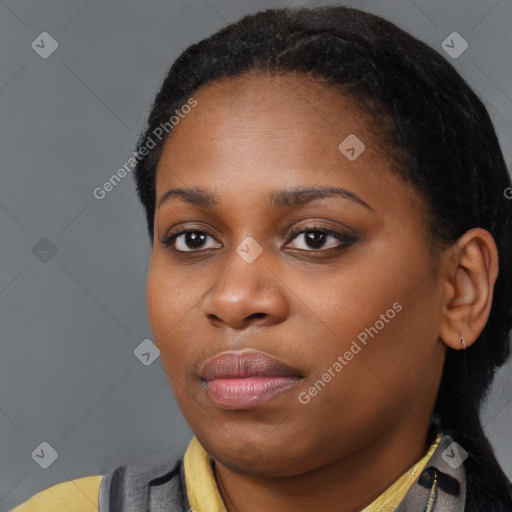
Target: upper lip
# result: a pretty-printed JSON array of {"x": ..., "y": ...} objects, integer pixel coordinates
[{"x": 245, "y": 363}]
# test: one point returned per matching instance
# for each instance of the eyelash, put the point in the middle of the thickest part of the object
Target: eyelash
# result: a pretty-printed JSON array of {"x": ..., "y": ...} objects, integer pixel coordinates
[{"x": 345, "y": 241}]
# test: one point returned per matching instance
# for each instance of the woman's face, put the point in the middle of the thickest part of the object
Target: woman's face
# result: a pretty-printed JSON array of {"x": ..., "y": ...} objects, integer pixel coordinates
[{"x": 354, "y": 313}]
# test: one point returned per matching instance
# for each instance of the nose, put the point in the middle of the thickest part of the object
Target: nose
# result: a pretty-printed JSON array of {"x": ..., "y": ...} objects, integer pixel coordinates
[{"x": 246, "y": 294}]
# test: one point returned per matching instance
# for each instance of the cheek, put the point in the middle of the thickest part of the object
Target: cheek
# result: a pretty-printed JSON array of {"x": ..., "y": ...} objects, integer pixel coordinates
[
  {"x": 171, "y": 304},
  {"x": 171, "y": 307},
  {"x": 350, "y": 304},
  {"x": 377, "y": 382},
  {"x": 382, "y": 323}
]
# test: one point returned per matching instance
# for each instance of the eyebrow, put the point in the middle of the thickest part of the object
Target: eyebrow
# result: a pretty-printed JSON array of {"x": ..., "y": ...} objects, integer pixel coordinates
[{"x": 279, "y": 199}]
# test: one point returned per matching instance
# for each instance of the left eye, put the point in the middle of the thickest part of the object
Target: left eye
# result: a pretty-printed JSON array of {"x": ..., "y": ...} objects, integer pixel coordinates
[{"x": 315, "y": 238}]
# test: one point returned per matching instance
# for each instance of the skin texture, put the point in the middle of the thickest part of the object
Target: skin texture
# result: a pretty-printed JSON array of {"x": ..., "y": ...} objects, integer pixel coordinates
[{"x": 305, "y": 304}]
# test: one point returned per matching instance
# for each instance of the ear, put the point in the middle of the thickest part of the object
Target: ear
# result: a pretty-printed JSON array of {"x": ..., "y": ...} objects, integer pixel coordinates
[{"x": 471, "y": 270}]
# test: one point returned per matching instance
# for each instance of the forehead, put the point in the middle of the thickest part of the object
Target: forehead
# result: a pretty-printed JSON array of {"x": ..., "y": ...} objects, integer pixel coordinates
[
  {"x": 260, "y": 118},
  {"x": 276, "y": 107},
  {"x": 260, "y": 131}
]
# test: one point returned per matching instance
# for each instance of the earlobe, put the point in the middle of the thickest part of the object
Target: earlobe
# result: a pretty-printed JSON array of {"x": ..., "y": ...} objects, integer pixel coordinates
[{"x": 470, "y": 273}]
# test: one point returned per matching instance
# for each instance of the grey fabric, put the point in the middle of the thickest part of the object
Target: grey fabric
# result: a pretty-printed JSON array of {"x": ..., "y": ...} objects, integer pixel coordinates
[
  {"x": 154, "y": 484},
  {"x": 104, "y": 491},
  {"x": 417, "y": 498}
]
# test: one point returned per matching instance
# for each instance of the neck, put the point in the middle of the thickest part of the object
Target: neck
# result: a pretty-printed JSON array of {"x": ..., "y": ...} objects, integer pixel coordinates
[{"x": 346, "y": 485}]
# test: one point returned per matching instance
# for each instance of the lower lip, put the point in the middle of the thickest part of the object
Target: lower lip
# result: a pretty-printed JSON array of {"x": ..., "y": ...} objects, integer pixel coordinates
[{"x": 247, "y": 392}]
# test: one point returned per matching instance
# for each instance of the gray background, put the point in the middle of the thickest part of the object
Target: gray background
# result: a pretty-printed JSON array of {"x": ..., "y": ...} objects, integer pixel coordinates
[{"x": 70, "y": 323}]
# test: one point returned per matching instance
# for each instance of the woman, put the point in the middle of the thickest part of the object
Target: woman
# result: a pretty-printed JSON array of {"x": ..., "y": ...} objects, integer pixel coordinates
[{"x": 330, "y": 281}]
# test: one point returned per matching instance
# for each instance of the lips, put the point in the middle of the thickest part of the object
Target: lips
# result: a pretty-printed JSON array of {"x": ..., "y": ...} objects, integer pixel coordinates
[
  {"x": 247, "y": 363},
  {"x": 246, "y": 379}
]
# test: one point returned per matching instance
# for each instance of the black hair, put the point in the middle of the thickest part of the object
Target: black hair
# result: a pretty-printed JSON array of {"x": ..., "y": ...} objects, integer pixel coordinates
[{"x": 438, "y": 133}]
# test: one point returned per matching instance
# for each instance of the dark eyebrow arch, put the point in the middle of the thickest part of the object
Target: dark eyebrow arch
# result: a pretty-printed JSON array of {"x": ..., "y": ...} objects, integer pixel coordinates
[
  {"x": 280, "y": 199},
  {"x": 299, "y": 196},
  {"x": 196, "y": 196}
]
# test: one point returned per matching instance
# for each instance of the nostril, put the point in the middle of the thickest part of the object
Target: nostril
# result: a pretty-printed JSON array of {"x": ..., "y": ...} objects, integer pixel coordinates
[
  {"x": 217, "y": 321},
  {"x": 214, "y": 319}
]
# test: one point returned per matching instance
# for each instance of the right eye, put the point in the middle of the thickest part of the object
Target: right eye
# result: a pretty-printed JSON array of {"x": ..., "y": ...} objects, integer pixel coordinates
[{"x": 187, "y": 240}]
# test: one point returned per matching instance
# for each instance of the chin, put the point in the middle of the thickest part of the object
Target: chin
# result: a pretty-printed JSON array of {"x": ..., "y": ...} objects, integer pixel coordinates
[{"x": 249, "y": 458}]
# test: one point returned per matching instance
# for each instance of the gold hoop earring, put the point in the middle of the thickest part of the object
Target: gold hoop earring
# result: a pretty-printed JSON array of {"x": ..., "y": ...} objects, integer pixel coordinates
[{"x": 462, "y": 341}]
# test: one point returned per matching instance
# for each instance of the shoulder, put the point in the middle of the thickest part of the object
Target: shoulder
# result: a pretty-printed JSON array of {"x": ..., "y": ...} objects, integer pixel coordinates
[{"x": 79, "y": 495}]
